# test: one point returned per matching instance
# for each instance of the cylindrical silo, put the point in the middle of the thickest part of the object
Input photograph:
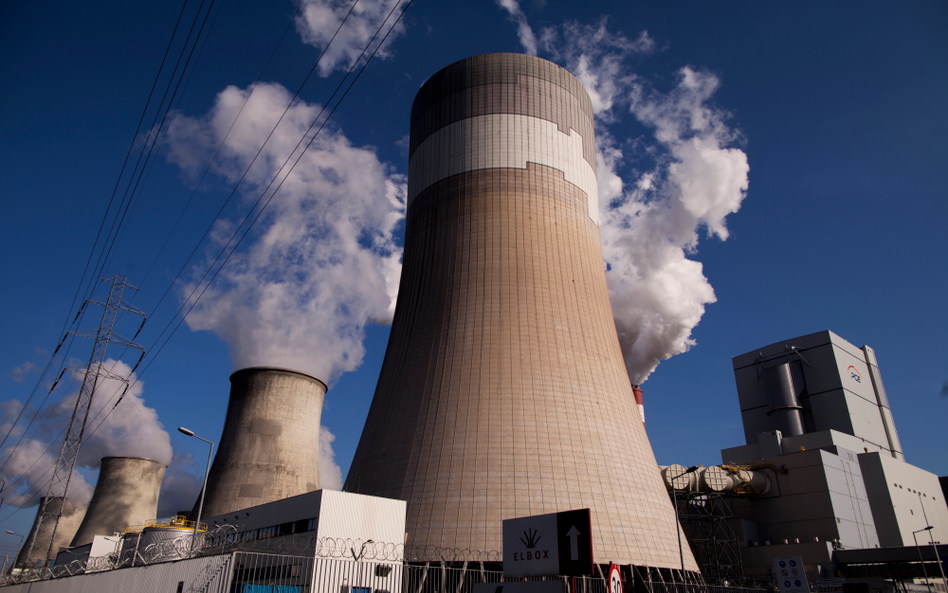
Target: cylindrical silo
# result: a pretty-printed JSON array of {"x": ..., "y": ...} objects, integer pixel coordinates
[
  {"x": 270, "y": 445},
  {"x": 503, "y": 392},
  {"x": 126, "y": 493},
  {"x": 68, "y": 524}
]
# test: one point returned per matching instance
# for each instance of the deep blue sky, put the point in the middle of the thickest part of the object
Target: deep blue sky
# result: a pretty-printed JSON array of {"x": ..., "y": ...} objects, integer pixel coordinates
[{"x": 839, "y": 106}]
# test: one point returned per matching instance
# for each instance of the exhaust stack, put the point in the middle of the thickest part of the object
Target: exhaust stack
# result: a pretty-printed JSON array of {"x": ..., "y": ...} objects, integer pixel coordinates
[{"x": 639, "y": 401}]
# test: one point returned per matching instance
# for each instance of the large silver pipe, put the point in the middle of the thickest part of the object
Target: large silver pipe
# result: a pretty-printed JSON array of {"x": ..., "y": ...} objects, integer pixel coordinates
[
  {"x": 785, "y": 409},
  {"x": 725, "y": 479}
]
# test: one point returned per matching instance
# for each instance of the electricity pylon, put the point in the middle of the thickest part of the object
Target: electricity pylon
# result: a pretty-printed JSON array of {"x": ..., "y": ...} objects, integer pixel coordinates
[{"x": 49, "y": 514}]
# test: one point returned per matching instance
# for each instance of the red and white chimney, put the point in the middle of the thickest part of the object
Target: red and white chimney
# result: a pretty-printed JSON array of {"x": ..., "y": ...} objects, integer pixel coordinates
[{"x": 637, "y": 392}]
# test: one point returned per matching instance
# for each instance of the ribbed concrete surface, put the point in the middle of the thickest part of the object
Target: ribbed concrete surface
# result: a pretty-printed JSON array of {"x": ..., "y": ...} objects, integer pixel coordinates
[
  {"x": 269, "y": 449},
  {"x": 126, "y": 494},
  {"x": 503, "y": 392}
]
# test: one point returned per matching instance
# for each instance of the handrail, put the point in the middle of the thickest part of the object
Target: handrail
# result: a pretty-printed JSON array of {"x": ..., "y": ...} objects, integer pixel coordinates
[{"x": 176, "y": 522}]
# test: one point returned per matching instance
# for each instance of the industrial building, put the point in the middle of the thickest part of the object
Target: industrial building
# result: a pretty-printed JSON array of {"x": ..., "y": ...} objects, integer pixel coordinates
[
  {"x": 503, "y": 392},
  {"x": 819, "y": 430}
]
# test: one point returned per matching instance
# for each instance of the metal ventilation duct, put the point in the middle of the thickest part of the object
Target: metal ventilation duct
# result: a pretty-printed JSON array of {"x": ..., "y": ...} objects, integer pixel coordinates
[{"x": 126, "y": 494}]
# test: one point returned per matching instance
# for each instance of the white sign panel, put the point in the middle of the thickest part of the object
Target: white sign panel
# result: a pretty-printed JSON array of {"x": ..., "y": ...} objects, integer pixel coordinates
[
  {"x": 790, "y": 575},
  {"x": 547, "y": 545},
  {"x": 530, "y": 547}
]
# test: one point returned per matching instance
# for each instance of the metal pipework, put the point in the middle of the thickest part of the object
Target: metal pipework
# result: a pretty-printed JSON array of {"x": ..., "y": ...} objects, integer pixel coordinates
[
  {"x": 785, "y": 409},
  {"x": 726, "y": 479}
]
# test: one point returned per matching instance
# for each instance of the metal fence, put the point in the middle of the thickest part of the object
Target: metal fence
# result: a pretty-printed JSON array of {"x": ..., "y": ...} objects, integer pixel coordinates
[
  {"x": 265, "y": 573},
  {"x": 327, "y": 565}
]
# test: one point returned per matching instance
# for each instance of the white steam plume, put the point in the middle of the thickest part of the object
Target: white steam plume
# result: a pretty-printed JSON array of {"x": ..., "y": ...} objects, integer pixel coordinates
[
  {"x": 651, "y": 215},
  {"x": 330, "y": 474},
  {"x": 595, "y": 56},
  {"x": 182, "y": 484},
  {"x": 524, "y": 32},
  {"x": 323, "y": 260},
  {"x": 319, "y": 20},
  {"x": 131, "y": 429}
]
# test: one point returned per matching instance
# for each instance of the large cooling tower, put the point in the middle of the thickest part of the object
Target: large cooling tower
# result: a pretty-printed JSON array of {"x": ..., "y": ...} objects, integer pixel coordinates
[
  {"x": 126, "y": 494},
  {"x": 68, "y": 524},
  {"x": 503, "y": 392},
  {"x": 270, "y": 446}
]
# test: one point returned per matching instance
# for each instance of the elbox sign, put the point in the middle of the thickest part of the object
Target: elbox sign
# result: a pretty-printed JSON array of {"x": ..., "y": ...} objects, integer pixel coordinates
[{"x": 548, "y": 545}]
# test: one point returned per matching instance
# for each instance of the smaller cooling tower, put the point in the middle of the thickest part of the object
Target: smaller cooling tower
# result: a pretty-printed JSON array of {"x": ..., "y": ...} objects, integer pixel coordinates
[
  {"x": 125, "y": 494},
  {"x": 269, "y": 449},
  {"x": 68, "y": 524}
]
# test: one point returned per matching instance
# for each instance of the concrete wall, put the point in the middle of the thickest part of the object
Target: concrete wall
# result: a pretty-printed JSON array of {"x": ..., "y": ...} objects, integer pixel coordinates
[
  {"x": 327, "y": 514},
  {"x": 503, "y": 392},
  {"x": 904, "y": 498},
  {"x": 269, "y": 449},
  {"x": 126, "y": 494},
  {"x": 821, "y": 496},
  {"x": 198, "y": 574}
]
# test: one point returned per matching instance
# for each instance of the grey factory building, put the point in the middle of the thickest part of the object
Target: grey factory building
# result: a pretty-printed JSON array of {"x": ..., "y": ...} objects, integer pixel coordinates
[{"x": 835, "y": 487}]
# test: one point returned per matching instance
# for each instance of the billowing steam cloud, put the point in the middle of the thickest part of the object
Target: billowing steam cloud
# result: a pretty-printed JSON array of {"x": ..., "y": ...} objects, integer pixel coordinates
[
  {"x": 651, "y": 215},
  {"x": 524, "y": 32},
  {"x": 131, "y": 429},
  {"x": 319, "y": 20},
  {"x": 323, "y": 261},
  {"x": 330, "y": 474}
]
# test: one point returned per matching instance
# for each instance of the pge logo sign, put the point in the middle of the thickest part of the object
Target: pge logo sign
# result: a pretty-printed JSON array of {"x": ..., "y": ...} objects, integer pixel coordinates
[{"x": 854, "y": 374}]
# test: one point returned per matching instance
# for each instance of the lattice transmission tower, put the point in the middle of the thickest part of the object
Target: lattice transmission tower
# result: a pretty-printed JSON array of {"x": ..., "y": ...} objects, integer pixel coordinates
[{"x": 50, "y": 513}]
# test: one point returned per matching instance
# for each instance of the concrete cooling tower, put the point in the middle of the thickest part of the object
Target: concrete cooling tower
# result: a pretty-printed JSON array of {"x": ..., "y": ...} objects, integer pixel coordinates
[
  {"x": 270, "y": 445},
  {"x": 126, "y": 494},
  {"x": 503, "y": 392},
  {"x": 68, "y": 525}
]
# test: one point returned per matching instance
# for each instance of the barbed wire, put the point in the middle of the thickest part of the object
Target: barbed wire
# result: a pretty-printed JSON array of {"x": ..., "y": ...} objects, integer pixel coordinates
[
  {"x": 225, "y": 539},
  {"x": 219, "y": 546}
]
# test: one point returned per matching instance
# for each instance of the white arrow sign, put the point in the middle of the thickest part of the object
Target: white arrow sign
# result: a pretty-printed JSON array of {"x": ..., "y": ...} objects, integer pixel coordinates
[{"x": 573, "y": 535}]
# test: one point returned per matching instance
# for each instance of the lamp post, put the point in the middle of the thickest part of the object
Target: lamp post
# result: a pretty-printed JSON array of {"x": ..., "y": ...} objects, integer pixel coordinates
[
  {"x": 915, "y": 537},
  {"x": 20, "y": 545},
  {"x": 197, "y": 523},
  {"x": 931, "y": 540},
  {"x": 941, "y": 567},
  {"x": 681, "y": 552}
]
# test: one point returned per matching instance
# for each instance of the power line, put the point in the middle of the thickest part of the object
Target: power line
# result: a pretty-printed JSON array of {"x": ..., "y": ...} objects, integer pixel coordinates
[
  {"x": 82, "y": 279},
  {"x": 193, "y": 301},
  {"x": 126, "y": 199}
]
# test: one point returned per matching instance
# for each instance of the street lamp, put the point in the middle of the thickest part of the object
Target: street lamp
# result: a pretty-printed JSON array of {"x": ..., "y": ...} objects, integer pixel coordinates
[
  {"x": 681, "y": 552},
  {"x": 915, "y": 537},
  {"x": 20, "y": 545},
  {"x": 197, "y": 524}
]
